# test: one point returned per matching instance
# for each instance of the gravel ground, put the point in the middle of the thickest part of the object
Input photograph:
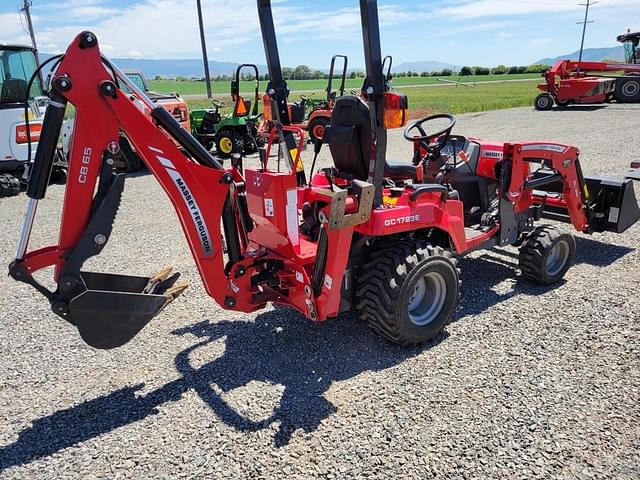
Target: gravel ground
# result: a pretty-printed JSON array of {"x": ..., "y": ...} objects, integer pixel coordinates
[{"x": 528, "y": 382}]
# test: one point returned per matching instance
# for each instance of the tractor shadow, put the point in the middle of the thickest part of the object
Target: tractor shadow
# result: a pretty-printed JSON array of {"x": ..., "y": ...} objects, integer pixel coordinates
[
  {"x": 579, "y": 108},
  {"x": 278, "y": 347},
  {"x": 492, "y": 277}
]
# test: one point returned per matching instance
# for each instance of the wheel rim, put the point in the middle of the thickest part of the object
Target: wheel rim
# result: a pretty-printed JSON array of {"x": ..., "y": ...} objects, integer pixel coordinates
[
  {"x": 428, "y": 299},
  {"x": 631, "y": 89},
  {"x": 557, "y": 258},
  {"x": 318, "y": 132},
  {"x": 226, "y": 145},
  {"x": 543, "y": 102}
]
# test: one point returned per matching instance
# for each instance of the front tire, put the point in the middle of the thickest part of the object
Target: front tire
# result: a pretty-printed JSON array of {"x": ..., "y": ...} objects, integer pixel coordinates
[
  {"x": 409, "y": 291},
  {"x": 58, "y": 176},
  {"x": 546, "y": 255},
  {"x": 130, "y": 161},
  {"x": 317, "y": 128},
  {"x": 9, "y": 185},
  {"x": 543, "y": 102},
  {"x": 228, "y": 142}
]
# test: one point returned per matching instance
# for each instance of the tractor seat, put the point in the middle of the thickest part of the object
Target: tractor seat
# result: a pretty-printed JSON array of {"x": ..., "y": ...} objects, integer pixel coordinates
[
  {"x": 399, "y": 170},
  {"x": 349, "y": 138}
]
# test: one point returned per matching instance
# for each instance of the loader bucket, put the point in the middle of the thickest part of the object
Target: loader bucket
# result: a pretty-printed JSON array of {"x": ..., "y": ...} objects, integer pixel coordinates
[
  {"x": 113, "y": 309},
  {"x": 614, "y": 204}
]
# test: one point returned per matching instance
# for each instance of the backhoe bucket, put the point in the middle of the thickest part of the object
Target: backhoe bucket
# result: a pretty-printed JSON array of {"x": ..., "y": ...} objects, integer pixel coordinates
[{"x": 113, "y": 309}]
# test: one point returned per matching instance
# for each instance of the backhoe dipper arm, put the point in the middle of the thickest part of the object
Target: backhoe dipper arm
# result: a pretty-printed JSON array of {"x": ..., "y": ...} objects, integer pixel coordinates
[{"x": 109, "y": 309}]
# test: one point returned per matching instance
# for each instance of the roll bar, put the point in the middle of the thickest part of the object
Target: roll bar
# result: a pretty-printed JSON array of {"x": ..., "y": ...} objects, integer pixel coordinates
[
  {"x": 345, "y": 65},
  {"x": 375, "y": 84},
  {"x": 235, "y": 85},
  {"x": 277, "y": 89}
]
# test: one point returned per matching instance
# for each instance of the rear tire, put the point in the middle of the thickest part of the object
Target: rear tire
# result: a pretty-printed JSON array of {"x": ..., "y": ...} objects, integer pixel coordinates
[
  {"x": 543, "y": 102},
  {"x": 409, "y": 291},
  {"x": 546, "y": 255},
  {"x": 627, "y": 90}
]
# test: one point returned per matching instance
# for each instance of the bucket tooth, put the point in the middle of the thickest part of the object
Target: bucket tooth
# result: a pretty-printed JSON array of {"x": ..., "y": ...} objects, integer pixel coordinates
[
  {"x": 158, "y": 278},
  {"x": 177, "y": 290},
  {"x": 174, "y": 292}
]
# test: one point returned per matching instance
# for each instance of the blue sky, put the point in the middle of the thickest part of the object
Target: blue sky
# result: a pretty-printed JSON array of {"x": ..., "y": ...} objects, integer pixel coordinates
[{"x": 461, "y": 32}]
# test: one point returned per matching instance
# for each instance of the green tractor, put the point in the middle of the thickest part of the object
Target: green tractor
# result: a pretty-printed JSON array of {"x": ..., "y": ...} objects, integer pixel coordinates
[{"x": 236, "y": 132}]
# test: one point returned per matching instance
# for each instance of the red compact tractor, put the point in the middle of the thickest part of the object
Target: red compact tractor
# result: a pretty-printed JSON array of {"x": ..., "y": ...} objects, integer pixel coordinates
[
  {"x": 369, "y": 234},
  {"x": 569, "y": 82}
]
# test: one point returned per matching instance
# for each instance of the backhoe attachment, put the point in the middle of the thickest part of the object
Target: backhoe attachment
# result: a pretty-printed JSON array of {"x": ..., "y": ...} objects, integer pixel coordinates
[{"x": 109, "y": 309}]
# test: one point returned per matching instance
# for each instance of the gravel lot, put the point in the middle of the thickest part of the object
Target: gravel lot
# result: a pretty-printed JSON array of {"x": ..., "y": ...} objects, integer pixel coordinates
[{"x": 528, "y": 382}]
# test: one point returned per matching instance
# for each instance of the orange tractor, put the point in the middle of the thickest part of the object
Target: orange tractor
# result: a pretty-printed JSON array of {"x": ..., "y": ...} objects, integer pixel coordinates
[{"x": 313, "y": 115}]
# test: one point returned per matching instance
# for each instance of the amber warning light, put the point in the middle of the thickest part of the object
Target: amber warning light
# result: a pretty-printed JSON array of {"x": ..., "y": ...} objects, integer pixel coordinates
[{"x": 396, "y": 110}]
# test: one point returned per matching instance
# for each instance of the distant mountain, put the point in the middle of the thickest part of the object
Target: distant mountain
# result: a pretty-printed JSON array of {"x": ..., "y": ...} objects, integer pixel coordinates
[
  {"x": 424, "y": 66},
  {"x": 178, "y": 68},
  {"x": 172, "y": 68},
  {"x": 590, "y": 55}
]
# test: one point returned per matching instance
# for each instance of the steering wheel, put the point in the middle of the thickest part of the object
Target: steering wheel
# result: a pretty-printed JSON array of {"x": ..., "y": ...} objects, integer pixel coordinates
[
  {"x": 431, "y": 142},
  {"x": 305, "y": 98},
  {"x": 218, "y": 103}
]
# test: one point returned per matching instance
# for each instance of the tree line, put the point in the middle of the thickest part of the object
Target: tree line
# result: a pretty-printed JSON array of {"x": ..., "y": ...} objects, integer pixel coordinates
[{"x": 303, "y": 72}]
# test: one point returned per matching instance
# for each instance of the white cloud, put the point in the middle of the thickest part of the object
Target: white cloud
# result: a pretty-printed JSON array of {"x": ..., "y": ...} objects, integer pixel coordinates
[
  {"x": 540, "y": 41},
  {"x": 169, "y": 28},
  {"x": 506, "y": 35},
  {"x": 501, "y": 8},
  {"x": 155, "y": 28},
  {"x": 89, "y": 12},
  {"x": 12, "y": 30},
  {"x": 472, "y": 27}
]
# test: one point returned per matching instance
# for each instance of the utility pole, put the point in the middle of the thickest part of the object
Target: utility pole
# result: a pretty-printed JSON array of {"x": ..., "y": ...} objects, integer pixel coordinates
[
  {"x": 207, "y": 77},
  {"x": 25, "y": 8},
  {"x": 27, "y": 12},
  {"x": 584, "y": 24}
]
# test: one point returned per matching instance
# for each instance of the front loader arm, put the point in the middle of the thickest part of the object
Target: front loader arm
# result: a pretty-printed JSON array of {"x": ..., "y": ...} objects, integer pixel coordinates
[
  {"x": 109, "y": 310},
  {"x": 560, "y": 167},
  {"x": 561, "y": 191}
]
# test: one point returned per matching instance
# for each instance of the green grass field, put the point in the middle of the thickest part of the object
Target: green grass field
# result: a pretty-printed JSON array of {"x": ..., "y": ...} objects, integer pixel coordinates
[
  {"x": 495, "y": 96},
  {"x": 451, "y": 99},
  {"x": 198, "y": 88}
]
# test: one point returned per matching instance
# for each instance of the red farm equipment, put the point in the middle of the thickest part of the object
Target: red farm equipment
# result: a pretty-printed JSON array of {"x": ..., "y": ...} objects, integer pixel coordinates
[
  {"x": 569, "y": 82},
  {"x": 368, "y": 234}
]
